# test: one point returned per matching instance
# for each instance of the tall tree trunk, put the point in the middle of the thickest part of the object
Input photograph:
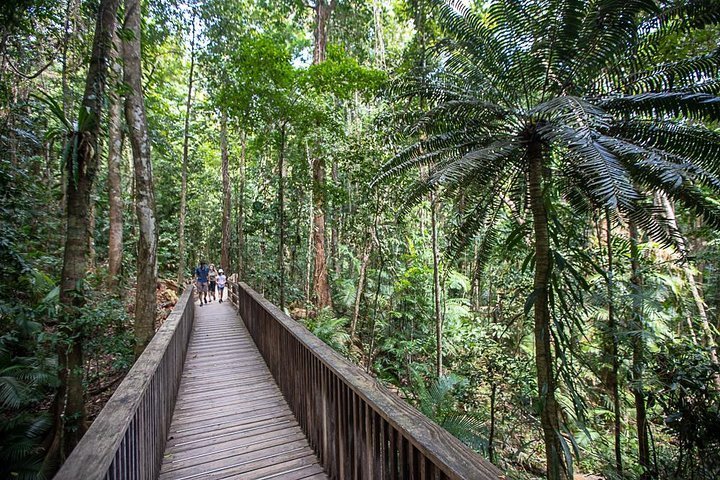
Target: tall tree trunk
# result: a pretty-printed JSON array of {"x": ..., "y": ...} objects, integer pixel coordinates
[
  {"x": 145, "y": 300},
  {"x": 611, "y": 339},
  {"x": 335, "y": 230},
  {"x": 183, "y": 182},
  {"x": 323, "y": 10},
  {"x": 638, "y": 358},
  {"x": 115, "y": 147},
  {"x": 311, "y": 224},
  {"x": 491, "y": 434},
  {"x": 716, "y": 300},
  {"x": 226, "y": 212},
  {"x": 436, "y": 285},
  {"x": 281, "y": 215},
  {"x": 81, "y": 168},
  {"x": 70, "y": 14},
  {"x": 321, "y": 283},
  {"x": 91, "y": 232},
  {"x": 550, "y": 410},
  {"x": 241, "y": 210}
]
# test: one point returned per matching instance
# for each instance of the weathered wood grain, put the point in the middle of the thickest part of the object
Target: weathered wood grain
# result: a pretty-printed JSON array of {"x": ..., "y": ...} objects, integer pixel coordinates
[
  {"x": 127, "y": 439},
  {"x": 230, "y": 419},
  {"x": 345, "y": 413}
]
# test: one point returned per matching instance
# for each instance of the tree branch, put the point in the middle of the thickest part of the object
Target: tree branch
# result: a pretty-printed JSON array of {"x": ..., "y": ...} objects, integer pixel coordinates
[{"x": 23, "y": 75}]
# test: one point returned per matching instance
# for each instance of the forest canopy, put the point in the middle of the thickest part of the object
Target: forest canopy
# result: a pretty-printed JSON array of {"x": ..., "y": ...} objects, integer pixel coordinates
[{"x": 506, "y": 211}]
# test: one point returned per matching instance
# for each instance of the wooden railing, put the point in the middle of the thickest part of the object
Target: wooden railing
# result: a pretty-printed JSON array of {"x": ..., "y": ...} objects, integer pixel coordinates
[
  {"x": 127, "y": 440},
  {"x": 358, "y": 429}
]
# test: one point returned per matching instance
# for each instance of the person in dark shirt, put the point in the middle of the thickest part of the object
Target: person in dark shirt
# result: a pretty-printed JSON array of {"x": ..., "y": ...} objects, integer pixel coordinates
[{"x": 201, "y": 277}]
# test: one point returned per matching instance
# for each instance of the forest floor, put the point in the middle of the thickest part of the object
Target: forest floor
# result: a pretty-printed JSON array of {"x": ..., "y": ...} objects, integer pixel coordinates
[{"x": 105, "y": 377}]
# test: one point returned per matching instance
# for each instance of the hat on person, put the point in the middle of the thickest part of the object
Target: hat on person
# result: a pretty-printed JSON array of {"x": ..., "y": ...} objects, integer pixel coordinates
[{"x": 220, "y": 271}]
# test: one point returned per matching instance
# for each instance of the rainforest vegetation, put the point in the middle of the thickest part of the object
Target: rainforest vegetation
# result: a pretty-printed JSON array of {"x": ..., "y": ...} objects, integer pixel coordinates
[{"x": 507, "y": 211}]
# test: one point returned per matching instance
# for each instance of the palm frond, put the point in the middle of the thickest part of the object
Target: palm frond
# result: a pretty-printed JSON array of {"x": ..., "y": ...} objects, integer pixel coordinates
[
  {"x": 480, "y": 164},
  {"x": 413, "y": 195},
  {"x": 680, "y": 16},
  {"x": 472, "y": 45},
  {"x": 427, "y": 152},
  {"x": 572, "y": 111},
  {"x": 652, "y": 165},
  {"x": 610, "y": 28},
  {"x": 467, "y": 428},
  {"x": 696, "y": 106},
  {"x": 674, "y": 76},
  {"x": 696, "y": 143},
  {"x": 607, "y": 181}
]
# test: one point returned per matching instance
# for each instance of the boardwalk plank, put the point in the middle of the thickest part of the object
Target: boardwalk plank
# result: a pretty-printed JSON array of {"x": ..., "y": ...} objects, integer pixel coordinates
[{"x": 230, "y": 420}]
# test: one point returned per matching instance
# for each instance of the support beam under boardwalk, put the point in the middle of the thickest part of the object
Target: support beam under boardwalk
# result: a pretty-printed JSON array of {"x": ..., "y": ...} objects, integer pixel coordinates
[{"x": 231, "y": 420}]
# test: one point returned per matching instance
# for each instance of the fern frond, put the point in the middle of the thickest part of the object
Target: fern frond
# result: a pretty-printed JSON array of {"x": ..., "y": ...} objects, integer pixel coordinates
[
  {"x": 674, "y": 76},
  {"x": 480, "y": 163},
  {"x": 606, "y": 178},
  {"x": 693, "y": 142},
  {"x": 697, "y": 106},
  {"x": 682, "y": 16}
]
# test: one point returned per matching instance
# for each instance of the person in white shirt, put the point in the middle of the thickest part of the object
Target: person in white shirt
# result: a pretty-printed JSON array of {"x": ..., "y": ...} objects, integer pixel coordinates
[{"x": 221, "y": 279}]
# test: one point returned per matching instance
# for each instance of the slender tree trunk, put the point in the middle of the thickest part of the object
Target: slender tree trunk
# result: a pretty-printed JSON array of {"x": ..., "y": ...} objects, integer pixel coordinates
[
  {"x": 225, "y": 246},
  {"x": 185, "y": 160},
  {"x": 241, "y": 210},
  {"x": 335, "y": 230},
  {"x": 311, "y": 223},
  {"x": 697, "y": 296},
  {"x": 550, "y": 410},
  {"x": 379, "y": 40},
  {"x": 436, "y": 286},
  {"x": 70, "y": 13},
  {"x": 611, "y": 374},
  {"x": 91, "y": 233},
  {"x": 716, "y": 300},
  {"x": 145, "y": 300},
  {"x": 491, "y": 434},
  {"x": 114, "y": 182},
  {"x": 321, "y": 282},
  {"x": 638, "y": 360},
  {"x": 69, "y": 403},
  {"x": 361, "y": 286},
  {"x": 281, "y": 215}
]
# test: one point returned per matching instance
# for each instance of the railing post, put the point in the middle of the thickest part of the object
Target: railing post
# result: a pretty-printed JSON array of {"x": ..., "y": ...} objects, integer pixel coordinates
[
  {"x": 127, "y": 440},
  {"x": 358, "y": 429}
]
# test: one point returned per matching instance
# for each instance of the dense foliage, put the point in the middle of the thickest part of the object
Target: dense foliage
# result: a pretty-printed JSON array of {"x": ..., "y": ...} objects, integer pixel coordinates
[{"x": 449, "y": 132}]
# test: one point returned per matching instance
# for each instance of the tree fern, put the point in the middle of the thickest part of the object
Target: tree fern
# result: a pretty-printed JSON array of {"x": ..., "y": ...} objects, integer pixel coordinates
[{"x": 533, "y": 97}]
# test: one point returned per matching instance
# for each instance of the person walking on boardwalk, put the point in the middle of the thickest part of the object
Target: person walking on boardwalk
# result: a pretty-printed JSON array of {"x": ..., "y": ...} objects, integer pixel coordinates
[
  {"x": 201, "y": 276},
  {"x": 221, "y": 279},
  {"x": 212, "y": 277}
]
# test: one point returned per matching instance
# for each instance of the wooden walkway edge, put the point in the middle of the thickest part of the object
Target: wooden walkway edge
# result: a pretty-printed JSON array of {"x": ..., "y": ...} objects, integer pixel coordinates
[{"x": 230, "y": 419}]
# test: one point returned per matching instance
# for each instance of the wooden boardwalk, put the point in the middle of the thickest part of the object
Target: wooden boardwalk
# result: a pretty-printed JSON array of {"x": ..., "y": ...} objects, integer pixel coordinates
[{"x": 231, "y": 420}]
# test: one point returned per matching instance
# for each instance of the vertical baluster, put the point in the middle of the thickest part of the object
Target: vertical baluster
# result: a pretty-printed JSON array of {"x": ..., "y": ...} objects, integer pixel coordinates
[
  {"x": 356, "y": 436},
  {"x": 392, "y": 453}
]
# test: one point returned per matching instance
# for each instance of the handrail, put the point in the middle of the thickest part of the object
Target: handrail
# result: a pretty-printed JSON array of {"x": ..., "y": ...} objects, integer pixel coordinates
[
  {"x": 358, "y": 428},
  {"x": 127, "y": 440}
]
